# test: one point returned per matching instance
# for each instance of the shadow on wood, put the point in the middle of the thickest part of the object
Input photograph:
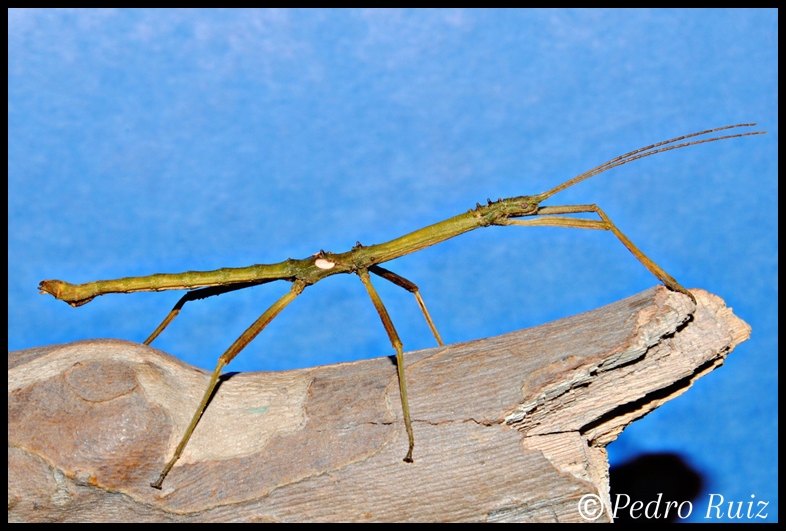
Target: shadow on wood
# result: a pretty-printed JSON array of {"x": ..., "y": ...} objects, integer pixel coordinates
[{"x": 509, "y": 428}]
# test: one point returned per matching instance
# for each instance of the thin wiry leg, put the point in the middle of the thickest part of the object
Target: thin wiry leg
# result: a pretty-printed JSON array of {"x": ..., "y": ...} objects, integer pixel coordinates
[
  {"x": 604, "y": 224},
  {"x": 393, "y": 335},
  {"x": 239, "y": 344},
  {"x": 410, "y": 286},
  {"x": 194, "y": 295}
]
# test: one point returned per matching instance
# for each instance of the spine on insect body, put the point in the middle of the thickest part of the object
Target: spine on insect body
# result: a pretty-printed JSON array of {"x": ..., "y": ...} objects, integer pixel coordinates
[
  {"x": 493, "y": 213},
  {"x": 309, "y": 270}
]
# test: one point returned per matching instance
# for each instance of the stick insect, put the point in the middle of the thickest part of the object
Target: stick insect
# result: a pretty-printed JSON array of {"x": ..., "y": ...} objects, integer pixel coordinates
[{"x": 363, "y": 260}]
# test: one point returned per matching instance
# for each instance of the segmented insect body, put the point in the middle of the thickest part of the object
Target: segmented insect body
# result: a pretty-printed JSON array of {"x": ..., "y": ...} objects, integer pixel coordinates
[{"x": 362, "y": 260}]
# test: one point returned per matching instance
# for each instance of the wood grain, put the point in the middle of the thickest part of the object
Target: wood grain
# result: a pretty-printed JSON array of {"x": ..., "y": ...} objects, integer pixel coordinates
[{"x": 508, "y": 428}]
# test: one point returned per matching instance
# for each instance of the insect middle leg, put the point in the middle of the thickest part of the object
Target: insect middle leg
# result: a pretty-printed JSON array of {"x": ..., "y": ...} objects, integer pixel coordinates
[
  {"x": 239, "y": 344},
  {"x": 394, "y": 339},
  {"x": 604, "y": 224},
  {"x": 410, "y": 286}
]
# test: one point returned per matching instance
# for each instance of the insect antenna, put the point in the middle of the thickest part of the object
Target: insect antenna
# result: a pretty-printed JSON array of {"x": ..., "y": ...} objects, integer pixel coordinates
[{"x": 646, "y": 152}]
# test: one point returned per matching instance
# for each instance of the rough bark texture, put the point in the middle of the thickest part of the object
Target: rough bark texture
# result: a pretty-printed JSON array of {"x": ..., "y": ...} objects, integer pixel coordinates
[{"x": 509, "y": 428}]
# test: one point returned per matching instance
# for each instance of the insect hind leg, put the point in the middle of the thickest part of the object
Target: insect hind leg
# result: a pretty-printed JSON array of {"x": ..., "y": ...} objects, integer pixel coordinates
[
  {"x": 195, "y": 295},
  {"x": 396, "y": 342},
  {"x": 239, "y": 344}
]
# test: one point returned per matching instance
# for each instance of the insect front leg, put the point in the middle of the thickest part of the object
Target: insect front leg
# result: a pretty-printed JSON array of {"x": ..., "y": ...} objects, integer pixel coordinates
[
  {"x": 396, "y": 342},
  {"x": 604, "y": 224}
]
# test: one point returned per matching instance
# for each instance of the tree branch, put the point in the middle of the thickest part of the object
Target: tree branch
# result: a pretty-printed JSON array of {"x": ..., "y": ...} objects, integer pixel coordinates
[{"x": 509, "y": 428}]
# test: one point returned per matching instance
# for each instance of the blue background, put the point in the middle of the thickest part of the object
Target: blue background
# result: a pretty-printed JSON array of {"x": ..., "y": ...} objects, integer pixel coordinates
[{"x": 145, "y": 141}]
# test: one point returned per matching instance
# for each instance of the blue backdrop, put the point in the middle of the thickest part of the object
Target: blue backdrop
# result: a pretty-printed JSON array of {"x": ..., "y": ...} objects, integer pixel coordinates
[{"x": 145, "y": 141}]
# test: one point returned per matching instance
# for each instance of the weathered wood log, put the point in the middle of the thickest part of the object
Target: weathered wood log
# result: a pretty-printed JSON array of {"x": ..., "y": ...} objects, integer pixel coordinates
[{"x": 509, "y": 428}]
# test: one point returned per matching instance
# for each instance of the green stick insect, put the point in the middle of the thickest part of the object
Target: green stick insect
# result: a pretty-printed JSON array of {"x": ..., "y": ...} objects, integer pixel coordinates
[{"x": 362, "y": 260}]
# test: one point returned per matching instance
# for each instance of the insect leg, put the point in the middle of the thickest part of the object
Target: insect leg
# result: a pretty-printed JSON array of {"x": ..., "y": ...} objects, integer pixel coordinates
[
  {"x": 239, "y": 344},
  {"x": 198, "y": 294},
  {"x": 604, "y": 224},
  {"x": 394, "y": 339},
  {"x": 410, "y": 286}
]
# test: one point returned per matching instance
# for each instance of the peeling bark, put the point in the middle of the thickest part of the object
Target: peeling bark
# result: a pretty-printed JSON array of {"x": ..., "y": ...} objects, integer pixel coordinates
[{"x": 508, "y": 428}]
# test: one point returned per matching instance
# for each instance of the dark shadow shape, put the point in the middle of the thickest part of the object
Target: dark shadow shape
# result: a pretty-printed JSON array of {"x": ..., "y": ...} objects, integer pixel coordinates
[
  {"x": 648, "y": 476},
  {"x": 223, "y": 377}
]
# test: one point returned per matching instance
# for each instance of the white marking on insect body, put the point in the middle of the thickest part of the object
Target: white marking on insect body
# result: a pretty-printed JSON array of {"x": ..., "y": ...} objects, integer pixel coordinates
[
  {"x": 324, "y": 264},
  {"x": 355, "y": 261}
]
